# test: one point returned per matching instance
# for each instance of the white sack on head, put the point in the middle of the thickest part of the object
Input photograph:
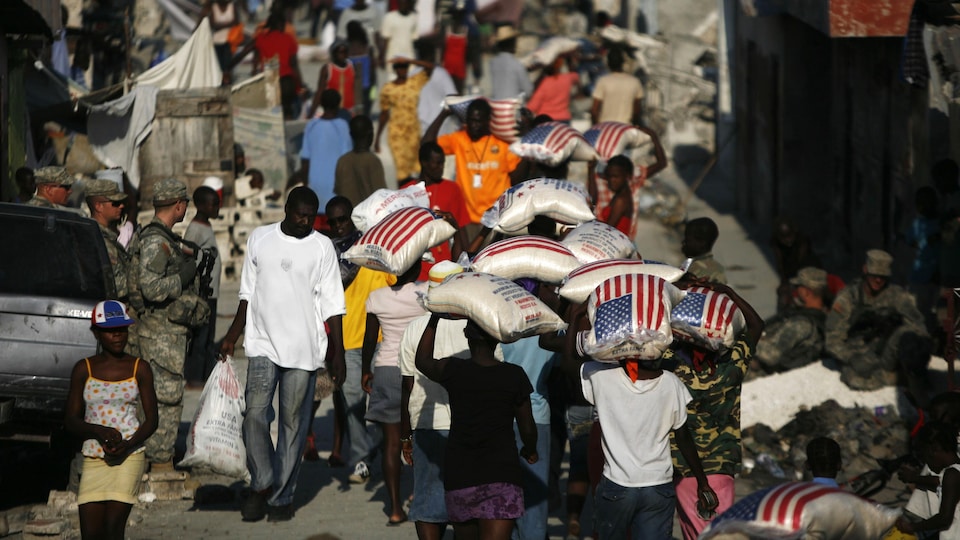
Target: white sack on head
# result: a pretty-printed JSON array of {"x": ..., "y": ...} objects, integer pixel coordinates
[
  {"x": 531, "y": 257},
  {"x": 562, "y": 200},
  {"x": 399, "y": 240},
  {"x": 596, "y": 241},
  {"x": 552, "y": 143},
  {"x": 502, "y": 308},
  {"x": 802, "y": 510},
  {"x": 707, "y": 318},
  {"x": 384, "y": 201},
  {"x": 630, "y": 318},
  {"x": 579, "y": 284},
  {"x": 503, "y": 115},
  {"x": 549, "y": 50},
  {"x": 614, "y": 138}
]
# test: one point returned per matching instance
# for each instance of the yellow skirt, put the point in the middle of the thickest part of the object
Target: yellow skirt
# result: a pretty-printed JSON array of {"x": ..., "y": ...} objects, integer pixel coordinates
[{"x": 102, "y": 482}]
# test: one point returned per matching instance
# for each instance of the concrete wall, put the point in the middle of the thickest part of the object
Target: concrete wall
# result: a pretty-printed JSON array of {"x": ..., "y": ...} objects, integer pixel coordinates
[{"x": 828, "y": 135}]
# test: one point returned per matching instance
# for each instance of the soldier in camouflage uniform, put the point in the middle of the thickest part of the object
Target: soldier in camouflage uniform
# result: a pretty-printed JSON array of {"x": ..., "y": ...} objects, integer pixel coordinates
[
  {"x": 698, "y": 238},
  {"x": 53, "y": 188},
  {"x": 714, "y": 380},
  {"x": 795, "y": 337},
  {"x": 875, "y": 330},
  {"x": 106, "y": 207},
  {"x": 159, "y": 275}
]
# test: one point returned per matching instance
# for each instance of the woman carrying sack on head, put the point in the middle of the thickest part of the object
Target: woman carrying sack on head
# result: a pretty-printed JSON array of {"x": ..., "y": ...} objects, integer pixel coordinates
[{"x": 102, "y": 409}]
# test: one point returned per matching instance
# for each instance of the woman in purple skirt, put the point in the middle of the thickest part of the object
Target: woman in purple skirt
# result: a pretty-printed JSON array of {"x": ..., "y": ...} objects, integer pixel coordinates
[{"x": 482, "y": 474}]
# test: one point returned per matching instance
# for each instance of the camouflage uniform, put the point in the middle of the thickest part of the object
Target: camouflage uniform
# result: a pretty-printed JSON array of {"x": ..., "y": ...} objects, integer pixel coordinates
[
  {"x": 50, "y": 175},
  {"x": 714, "y": 384},
  {"x": 705, "y": 266},
  {"x": 155, "y": 265},
  {"x": 119, "y": 258},
  {"x": 888, "y": 332},
  {"x": 793, "y": 339}
]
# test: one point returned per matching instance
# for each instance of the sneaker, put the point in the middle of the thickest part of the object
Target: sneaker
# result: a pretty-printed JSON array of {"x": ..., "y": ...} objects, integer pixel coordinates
[
  {"x": 360, "y": 474},
  {"x": 280, "y": 513},
  {"x": 310, "y": 451},
  {"x": 255, "y": 507}
]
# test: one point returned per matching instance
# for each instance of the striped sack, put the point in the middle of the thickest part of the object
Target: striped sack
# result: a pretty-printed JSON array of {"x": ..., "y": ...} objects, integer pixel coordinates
[
  {"x": 802, "y": 510},
  {"x": 596, "y": 241},
  {"x": 707, "y": 318},
  {"x": 614, "y": 138},
  {"x": 503, "y": 118},
  {"x": 630, "y": 318},
  {"x": 501, "y": 307},
  {"x": 382, "y": 202},
  {"x": 531, "y": 257},
  {"x": 564, "y": 201},
  {"x": 552, "y": 143},
  {"x": 579, "y": 284},
  {"x": 399, "y": 240}
]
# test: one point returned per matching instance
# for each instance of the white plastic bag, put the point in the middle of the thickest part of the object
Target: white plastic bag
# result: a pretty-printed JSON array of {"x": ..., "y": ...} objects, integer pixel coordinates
[{"x": 215, "y": 440}]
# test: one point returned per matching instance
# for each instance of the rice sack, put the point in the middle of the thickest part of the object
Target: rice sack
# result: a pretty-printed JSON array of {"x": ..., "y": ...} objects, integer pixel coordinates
[
  {"x": 399, "y": 240},
  {"x": 614, "y": 138},
  {"x": 596, "y": 241},
  {"x": 707, "y": 318},
  {"x": 579, "y": 284},
  {"x": 503, "y": 116},
  {"x": 549, "y": 50},
  {"x": 630, "y": 318},
  {"x": 384, "y": 202},
  {"x": 526, "y": 257},
  {"x": 502, "y": 308},
  {"x": 802, "y": 510},
  {"x": 552, "y": 143},
  {"x": 564, "y": 201}
]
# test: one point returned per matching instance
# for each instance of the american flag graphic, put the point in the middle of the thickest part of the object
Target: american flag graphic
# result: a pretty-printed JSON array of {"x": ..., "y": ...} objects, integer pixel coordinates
[
  {"x": 607, "y": 138},
  {"x": 624, "y": 304},
  {"x": 503, "y": 119},
  {"x": 522, "y": 242},
  {"x": 397, "y": 228},
  {"x": 551, "y": 142},
  {"x": 780, "y": 506},
  {"x": 625, "y": 266},
  {"x": 706, "y": 312}
]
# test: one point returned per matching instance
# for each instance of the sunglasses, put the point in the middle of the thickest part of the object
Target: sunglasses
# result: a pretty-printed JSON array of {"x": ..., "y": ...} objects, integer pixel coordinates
[
  {"x": 64, "y": 186},
  {"x": 115, "y": 204}
]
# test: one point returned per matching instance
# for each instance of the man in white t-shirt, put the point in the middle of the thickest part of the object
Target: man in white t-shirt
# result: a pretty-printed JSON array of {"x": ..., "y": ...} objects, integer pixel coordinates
[
  {"x": 398, "y": 31},
  {"x": 617, "y": 96},
  {"x": 289, "y": 287},
  {"x": 367, "y": 14}
]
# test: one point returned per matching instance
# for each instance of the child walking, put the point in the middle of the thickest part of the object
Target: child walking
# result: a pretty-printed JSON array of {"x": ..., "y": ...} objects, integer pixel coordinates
[
  {"x": 482, "y": 475},
  {"x": 102, "y": 409}
]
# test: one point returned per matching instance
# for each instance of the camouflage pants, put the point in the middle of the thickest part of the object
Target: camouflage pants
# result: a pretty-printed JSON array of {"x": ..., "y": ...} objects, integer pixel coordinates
[
  {"x": 873, "y": 365},
  {"x": 166, "y": 355}
]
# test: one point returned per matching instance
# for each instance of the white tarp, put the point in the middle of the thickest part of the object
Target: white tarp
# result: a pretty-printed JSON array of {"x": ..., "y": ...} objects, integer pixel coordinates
[
  {"x": 116, "y": 129},
  {"x": 193, "y": 66}
]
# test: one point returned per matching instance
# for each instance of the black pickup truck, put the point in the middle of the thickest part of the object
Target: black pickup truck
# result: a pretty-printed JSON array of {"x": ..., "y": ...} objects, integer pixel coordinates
[{"x": 53, "y": 270}]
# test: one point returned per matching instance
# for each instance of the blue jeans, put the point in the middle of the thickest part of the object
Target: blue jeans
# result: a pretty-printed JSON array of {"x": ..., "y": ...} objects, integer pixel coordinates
[
  {"x": 271, "y": 467},
  {"x": 355, "y": 407},
  {"x": 532, "y": 525},
  {"x": 646, "y": 512},
  {"x": 429, "y": 453}
]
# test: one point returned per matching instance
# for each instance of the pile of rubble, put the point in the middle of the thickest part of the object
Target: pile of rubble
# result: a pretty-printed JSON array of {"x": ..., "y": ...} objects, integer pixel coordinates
[{"x": 865, "y": 436}]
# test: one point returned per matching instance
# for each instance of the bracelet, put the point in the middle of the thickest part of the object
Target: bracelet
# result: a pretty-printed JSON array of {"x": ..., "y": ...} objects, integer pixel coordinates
[{"x": 406, "y": 439}]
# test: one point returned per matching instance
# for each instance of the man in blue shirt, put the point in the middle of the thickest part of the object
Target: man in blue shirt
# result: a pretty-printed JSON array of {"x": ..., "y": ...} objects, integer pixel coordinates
[{"x": 325, "y": 139}]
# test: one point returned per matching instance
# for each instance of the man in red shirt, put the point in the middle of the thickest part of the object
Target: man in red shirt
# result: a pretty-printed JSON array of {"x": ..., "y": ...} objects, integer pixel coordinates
[
  {"x": 274, "y": 41},
  {"x": 446, "y": 199}
]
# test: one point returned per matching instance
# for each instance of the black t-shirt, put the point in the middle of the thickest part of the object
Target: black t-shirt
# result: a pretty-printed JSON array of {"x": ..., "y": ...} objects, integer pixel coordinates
[{"x": 482, "y": 448}]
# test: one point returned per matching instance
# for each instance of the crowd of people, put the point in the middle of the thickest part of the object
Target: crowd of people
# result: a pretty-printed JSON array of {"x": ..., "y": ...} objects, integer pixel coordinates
[{"x": 483, "y": 424}]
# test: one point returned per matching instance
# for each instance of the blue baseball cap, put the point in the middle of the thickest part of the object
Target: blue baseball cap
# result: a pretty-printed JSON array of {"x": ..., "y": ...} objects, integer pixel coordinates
[{"x": 111, "y": 314}]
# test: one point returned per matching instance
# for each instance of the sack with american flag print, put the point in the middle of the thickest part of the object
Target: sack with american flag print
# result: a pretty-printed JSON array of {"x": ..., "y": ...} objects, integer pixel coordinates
[
  {"x": 503, "y": 116},
  {"x": 552, "y": 143},
  {"x": 614, "y": 138},
  {"x": 561, "y": 200},
  {"x": 399, "y": 240},
  {"x": 579, "y": 284},
  {"x": 596, "y": 241},
  {"x": 801, "y": 510},
  {"x": 707, "y": 318},
  {"x": 502, "y": 308},
  {"x": 531, "y": 257},
  {"x": 630, "y": 318}
]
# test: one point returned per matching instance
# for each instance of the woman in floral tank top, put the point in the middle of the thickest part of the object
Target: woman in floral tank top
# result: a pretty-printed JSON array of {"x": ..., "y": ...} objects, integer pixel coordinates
[{"x": 105, "y": 390}]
